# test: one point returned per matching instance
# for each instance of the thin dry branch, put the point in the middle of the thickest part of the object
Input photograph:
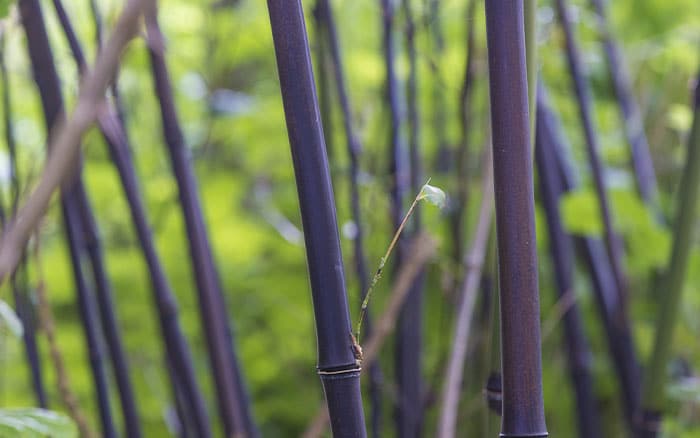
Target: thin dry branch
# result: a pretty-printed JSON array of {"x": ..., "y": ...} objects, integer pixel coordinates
[
  {"x": 422, "y": 249},
  {"x": 65, "y": 143},
  {"x": 48, "y": 324},
  {"x": 474, "y": 263}
]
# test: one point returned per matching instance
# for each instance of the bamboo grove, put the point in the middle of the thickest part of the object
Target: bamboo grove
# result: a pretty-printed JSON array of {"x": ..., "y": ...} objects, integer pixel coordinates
[{"x": 169, "y": 268}]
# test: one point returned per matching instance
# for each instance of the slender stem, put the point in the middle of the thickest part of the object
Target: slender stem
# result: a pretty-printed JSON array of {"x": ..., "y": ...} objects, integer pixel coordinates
[
  {"x": 562, "y": 256},
  {"x": 585, "y": 105},
  {"x": 232, "y": 396},
  {"x": 523, "y": 404},
  {"x": 48, "y": 324},
  {"x": 653, "y": 399},
  {"x": 19, "y": 278},
  {"x": 642, "y": 163},
  {"x": 422, "y": 249},
  {"x": 72, "y": 202},
  {"x": 474, "y": 262},
  {"x": 354, "y": 149},
  {"x": 595, "y": 257},
  {"x": 409, "y": 339},
  {"x": 382, "y": 263},
  {"x": 338, "y": 365},
  {"x": 462, "y": 155},
  {"x": 66, "y": 141},
  {"x": 532, "y": 62},
  {"x": 120, "y": 366}
]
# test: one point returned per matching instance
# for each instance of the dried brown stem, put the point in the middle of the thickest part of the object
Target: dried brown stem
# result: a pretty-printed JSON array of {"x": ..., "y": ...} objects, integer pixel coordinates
[{"x": 421, "y": 250}]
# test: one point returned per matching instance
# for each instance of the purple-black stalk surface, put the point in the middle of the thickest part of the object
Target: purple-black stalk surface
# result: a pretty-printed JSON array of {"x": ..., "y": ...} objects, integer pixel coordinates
[
  {"x": 325, "y": 101},
  {"x": 410, "y": 324},
  {"x": 106, "y": 306},
  {"x": 462, "y": 153},
  {"x": 234, "y": 408},
  {"x": 561, "y": 249},
  {"x": 408, "y": 412},
  {"x": 595, "y": 258},
  {"x": 523, "y": 404},
  {"x": 585, "y": 106},
  {"x": 18, "y": 279},
  {"x": 176, "y": 347},
  {"x": 337, "y": 359},
  {"x": 354, "y": 149},
  {"x": 437, "y": 49},
  {"x": 642, "y": 164},
  {"x": 73, "y": 200}
]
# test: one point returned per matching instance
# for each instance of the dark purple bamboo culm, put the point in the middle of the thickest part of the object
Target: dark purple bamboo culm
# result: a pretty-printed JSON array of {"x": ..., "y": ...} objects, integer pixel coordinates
[
  {"x": 325, "y": 101},
  {"x": 234, "y": 407},
  {"x": 561, "y": 248},
  {"x": 585, "y": 105},
  {"x": 595, "y": 258},
  {"x": 73, "y": 201},
  {"x": 410, "y": 324},
  {"x": 408, "y": 412},
  {"x": 523, "y": 401},
  {"x": 462, "y": 153},
  {"x": 437, "y": 50},
  {"x": 642, "y": 163},
  {"x": 19, "y": 278},
  {"x": 176, "y": 347},
  {"x": 337, "y": 357},
  {"x": 106, "y": 306},
  {"x": 354, "y": 148}
]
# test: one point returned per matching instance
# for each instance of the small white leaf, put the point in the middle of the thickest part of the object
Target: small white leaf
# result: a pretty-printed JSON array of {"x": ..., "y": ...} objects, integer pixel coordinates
[
  {"x": 434, "y": 195},
  {"x": 9, "y": 318}
]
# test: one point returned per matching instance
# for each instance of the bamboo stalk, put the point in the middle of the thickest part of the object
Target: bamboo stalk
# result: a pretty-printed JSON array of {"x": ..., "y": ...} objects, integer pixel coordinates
[
  {"x": 73, "y": 200},
  {"x": 462, "y": 154},
  {"x": 653, "y": 399},
  {"x": 530, "y": 11},
  {"x": 437, "y": 49},
  {"x": 354, "y": 149},
  {"x": 18, "y": 280},
  {"x": 422, "y": 249},
  {"x": 234, "y": 407},
  {"x": 642, "y": 163},
  {"x": 523, "y": 404},
  {"x": 106, "y": 306},
  {"x": 175, "y": 343},
  {"x": 585, "y": 106},
  {"x": 48, "y": 325},
  {"x": 595, "y": 257},
  {"x": 473, "y": 262},
  {"x": 337, "y": 358},
  {"x": 561, "y": 248},
  {"x": 408, "y": 342}
]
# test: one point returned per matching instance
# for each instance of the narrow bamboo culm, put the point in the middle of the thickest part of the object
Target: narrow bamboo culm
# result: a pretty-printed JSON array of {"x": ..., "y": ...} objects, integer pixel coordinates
[
  {"x": 354, "y": 149},
  {"x": 338, "y": 364},
  {"x": 673, "y": 280},
  {"x": 73, "y": 203},
  {"x": 234, "y": 407},
  {"x": 19, "y": 278},
  {"x": 618, "y": 333},
  {"x": 561, "y": 248},
  {"x": 106, "y": 306},
  {"x": 523, "y": 404},
  {"x": 642, "y": 163}
]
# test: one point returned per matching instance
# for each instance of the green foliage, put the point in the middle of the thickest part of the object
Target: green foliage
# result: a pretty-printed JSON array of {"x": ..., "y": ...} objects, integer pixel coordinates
[{"x": 36, "y": 423}]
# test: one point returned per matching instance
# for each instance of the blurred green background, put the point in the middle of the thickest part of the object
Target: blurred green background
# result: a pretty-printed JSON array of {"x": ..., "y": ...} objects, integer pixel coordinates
[{"x": 225, "y": 81}]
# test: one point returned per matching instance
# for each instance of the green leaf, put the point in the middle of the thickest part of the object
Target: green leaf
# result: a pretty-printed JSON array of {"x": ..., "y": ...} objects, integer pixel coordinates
[
  {"x": 9, "y": 319},
  {"x": 36, "y": 423},
  {"x": 434, "y": 195},
  {"x": 580, "y": 213}
]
